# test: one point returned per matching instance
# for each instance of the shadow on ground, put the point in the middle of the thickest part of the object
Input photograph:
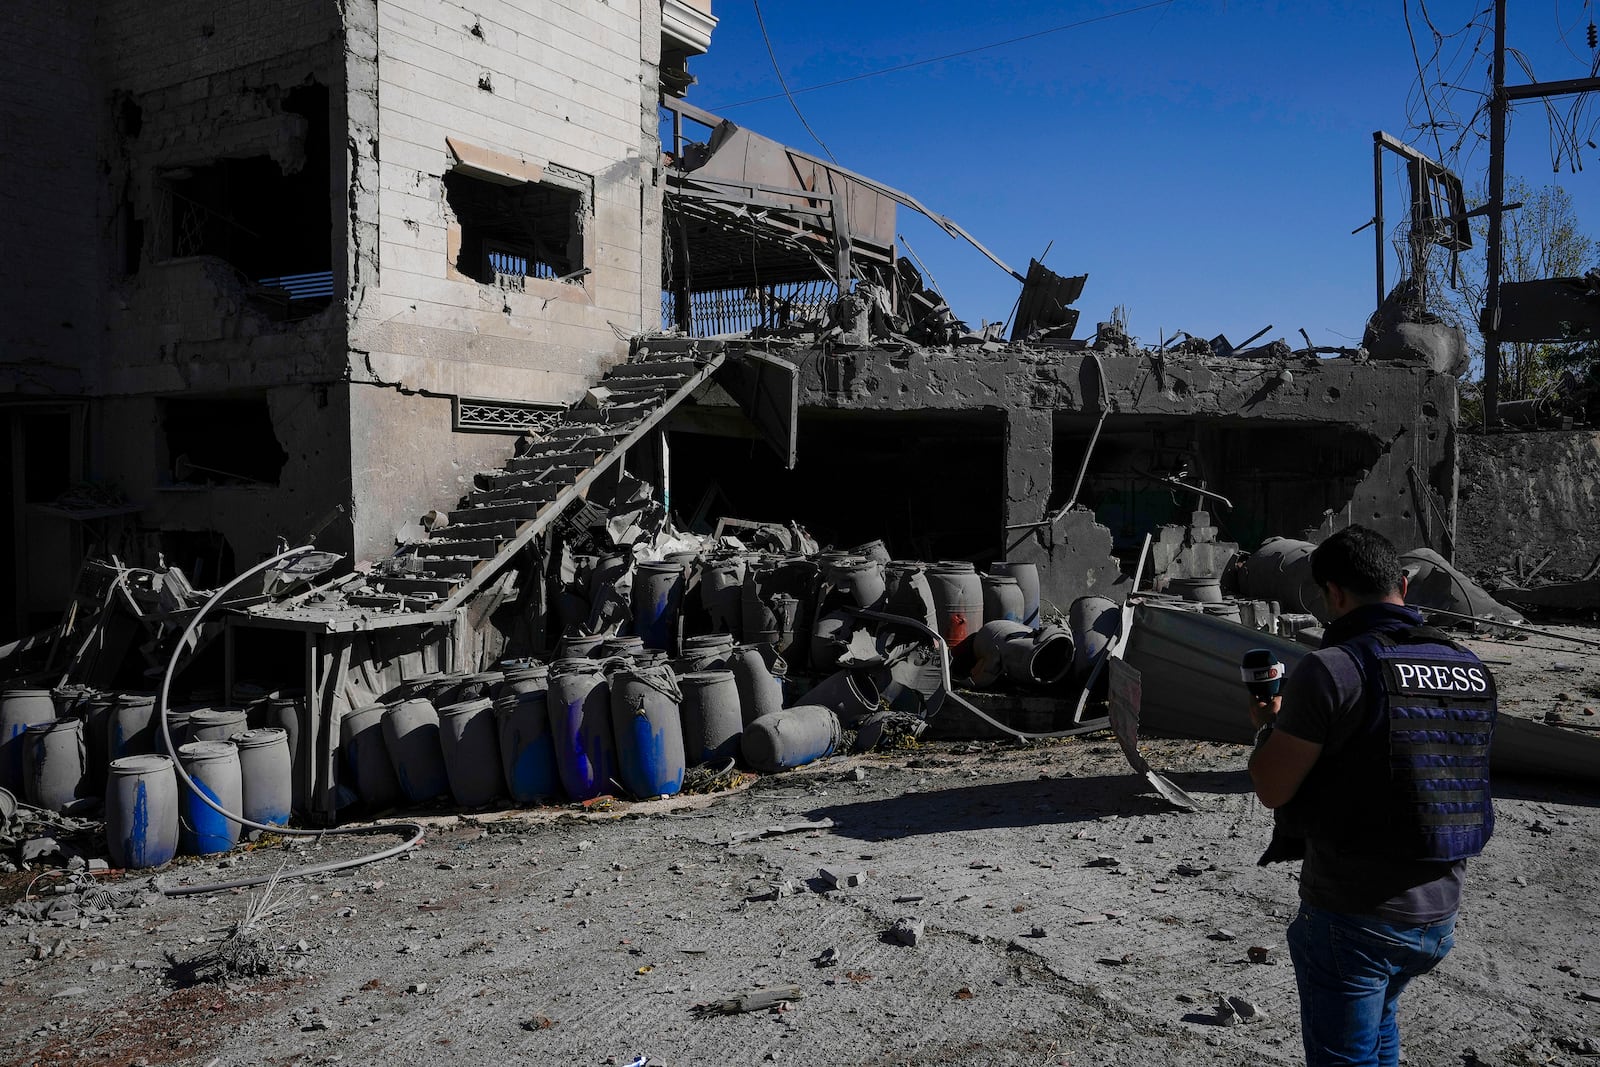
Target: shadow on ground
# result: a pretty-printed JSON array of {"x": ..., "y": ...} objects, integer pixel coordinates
[{"x": 1003, "y": 805}]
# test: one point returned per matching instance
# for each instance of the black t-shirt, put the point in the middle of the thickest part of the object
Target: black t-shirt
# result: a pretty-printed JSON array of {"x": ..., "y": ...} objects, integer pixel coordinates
[{"x": 1323, "y": 702}]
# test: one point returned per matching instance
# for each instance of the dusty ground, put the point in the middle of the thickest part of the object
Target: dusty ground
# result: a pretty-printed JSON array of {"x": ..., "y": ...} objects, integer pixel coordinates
[{"x": 554, "y": 938}]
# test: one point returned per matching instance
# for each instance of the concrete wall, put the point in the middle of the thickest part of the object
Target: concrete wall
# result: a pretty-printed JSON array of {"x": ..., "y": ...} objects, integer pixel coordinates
[
  {"x": 1529, "y": 494},
  {"x": 51, "y": 275},
  {"x": 311, "y": 423},
  {"x": 569, "y": 85},
  {"x": 562, "y": 84},
  {"x": 1406, "y": 412},
  {"x": 207, "y": 84}
]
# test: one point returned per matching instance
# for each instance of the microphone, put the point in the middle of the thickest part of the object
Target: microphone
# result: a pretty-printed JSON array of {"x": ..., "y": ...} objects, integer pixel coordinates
[{"x": 1261, "y": 674}]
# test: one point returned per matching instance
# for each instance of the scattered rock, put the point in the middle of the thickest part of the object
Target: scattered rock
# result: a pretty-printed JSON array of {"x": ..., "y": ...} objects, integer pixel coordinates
[
  {"x": 1259, "y": 954},
  {"x": 842, "y": 879},
  {"x": 539, "y": 1022},
  {"x": 417, "y": 988},
  {"x": 828, "y": 957},
  {"x": 1104, "y": 861},
  {"x": 1223, "y": 935},
  {"x": 907, "y": 931}
]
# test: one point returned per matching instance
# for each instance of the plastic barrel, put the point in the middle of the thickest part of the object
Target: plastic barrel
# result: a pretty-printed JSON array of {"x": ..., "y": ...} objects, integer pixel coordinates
[
  {"x": 473, "y": 687},
  {"x": 366, "y": 758},
  {"x": 873, "y": 550},
  {"x": 707, "y": 652},
  {"x": 830, "y": 639},
  {"x": 216, "y": 724},
  {"x": 284, "y": 713},
  {"x": 416, "y": 686},
  {"x": 1281, "y": 570},
  {"x": 852, "y": 581},
  {"x": 130, "y": 725},
  {"x": 527, "y": 750},
  {"x": 1002, "y": 599},
  {"x": 68, "y": 698},
  {"x": 648, "y": 725},
  {"x": 850, "y": 695},
  {"x": 656, "y": 596},
  {"x": 712, "y": 721},
  {"x": 1044, "y": 659},
  {"x": 989, "y": 647},
  {"x": 626, "y": 647},
  {"x": 576, "y": 646},
  {"x": 52, "y": 764},
  {"x": 471, "y": 745},
  {"x": 789, "y": 738},
  {"x": 214, "y": 767},
  {"x": 96, "y": 724},
  {"x": 264, "y": 772},
  {"x": 1027, "y": 576},
  {"x": 1094, "y": 621},
  {"x": 957, "y": 602},
  {"x": 722, "y": 593},
  {"x": 535, "y": 677},
  {"x": 580, "y": 728},
  {"x": 411, "y": 737},
  {"x": 760, "y": 691},
  {"x": 909, "y": 594},
  {"x": 20, "y": 709},
  {"x": 177, "y": 724},
  {"x": 141, "y": 811}
]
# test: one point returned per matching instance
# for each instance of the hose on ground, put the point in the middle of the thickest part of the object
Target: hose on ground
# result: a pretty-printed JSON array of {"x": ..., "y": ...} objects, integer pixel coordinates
[{"x": 414, "y": 830}]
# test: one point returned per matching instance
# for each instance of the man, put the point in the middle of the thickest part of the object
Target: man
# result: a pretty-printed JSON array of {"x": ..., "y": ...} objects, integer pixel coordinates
[{"x": 1378, "y": 770}]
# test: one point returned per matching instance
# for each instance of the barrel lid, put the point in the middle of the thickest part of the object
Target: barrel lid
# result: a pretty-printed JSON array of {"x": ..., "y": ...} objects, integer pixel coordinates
[
  {"x": 263, "y": 735},
  {"x": 466, "y": 707},
  {"x": 485, "y": 676},
  {"x": 1000, "y": 579},
  {"x": 958, "y": 566},
  {"x": 705, "y": 677},
  {"x": 661, "y": 566},
  {"x": 207, "y": 750},
  {"x": 141, "y": 765},
  {"x": 136, "y": 698},
  {"x": 708, "y": 640},
  {"x": 217, "y": 715},
  {"x": 69, "y": 723},
  {"x": 24, "y": 692},
  {"x": 407, "y": 703},
  {"x": 366, "y": 711}
]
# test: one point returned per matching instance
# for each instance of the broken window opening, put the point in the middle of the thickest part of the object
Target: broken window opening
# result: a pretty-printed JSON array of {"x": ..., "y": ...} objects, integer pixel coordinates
[
  {"x": 221, "y": 441},
  {"x": 512, "y": 232},
  {"x": 270, "y": 224}
]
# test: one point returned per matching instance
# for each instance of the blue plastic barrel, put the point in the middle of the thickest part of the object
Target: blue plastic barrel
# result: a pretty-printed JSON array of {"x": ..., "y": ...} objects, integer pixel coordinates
[
  {"x": 656, "y": 596},
  {"x": 789, "y": 738},
  {"x": 20, "y": 709},
  {"x": 580, "y": 728},
  {"x": 214, "y": 768},
  {"x": 527, "y": 748},
  {"x": 141, "y": 812},
  {"x": 648, "y": 725}
]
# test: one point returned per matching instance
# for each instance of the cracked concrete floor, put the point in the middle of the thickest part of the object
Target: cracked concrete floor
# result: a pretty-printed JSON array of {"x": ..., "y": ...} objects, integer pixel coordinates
[{"x": 1070, "y": 918}]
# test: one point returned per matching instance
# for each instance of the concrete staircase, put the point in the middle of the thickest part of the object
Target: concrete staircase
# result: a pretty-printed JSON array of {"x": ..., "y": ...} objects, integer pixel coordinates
[{"x": 512, "y": 505}]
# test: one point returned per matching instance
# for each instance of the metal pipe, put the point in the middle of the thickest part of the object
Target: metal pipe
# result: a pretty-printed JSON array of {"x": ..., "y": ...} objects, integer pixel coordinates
[{"x": 1507, "y": 626}]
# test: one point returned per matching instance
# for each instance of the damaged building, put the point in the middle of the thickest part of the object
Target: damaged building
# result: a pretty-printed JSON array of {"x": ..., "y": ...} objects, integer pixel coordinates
[{"x": 472, "y": 300}]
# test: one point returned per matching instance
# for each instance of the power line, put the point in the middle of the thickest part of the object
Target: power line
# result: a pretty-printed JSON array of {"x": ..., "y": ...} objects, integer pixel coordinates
[
  {"x": 779, "y": 72},
  {"x": 937, "y": 59}
]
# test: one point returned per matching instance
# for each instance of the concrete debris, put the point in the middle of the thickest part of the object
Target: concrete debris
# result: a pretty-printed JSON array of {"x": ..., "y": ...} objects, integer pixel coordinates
[
  {"x": 907, "y": 931},
  {"x": 841, "y": 879},
  {"x": 754, "y": 1000},
  {"x": 773, "y": 831}
]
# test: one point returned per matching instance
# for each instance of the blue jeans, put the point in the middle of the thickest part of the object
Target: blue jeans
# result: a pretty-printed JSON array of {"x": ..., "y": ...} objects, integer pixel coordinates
[{"x": 1351, "y": 970}]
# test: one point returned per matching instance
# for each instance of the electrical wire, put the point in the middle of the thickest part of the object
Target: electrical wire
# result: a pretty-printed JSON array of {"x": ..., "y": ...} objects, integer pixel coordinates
[
  {"x": 948, "y": 55},
  {"x": 415, "y": 829},
  {"x": 778, "y": 70}
]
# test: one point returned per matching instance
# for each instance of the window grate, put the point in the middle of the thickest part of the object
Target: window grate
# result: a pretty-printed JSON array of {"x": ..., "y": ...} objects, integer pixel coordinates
[{"x": 481, "y": 414}]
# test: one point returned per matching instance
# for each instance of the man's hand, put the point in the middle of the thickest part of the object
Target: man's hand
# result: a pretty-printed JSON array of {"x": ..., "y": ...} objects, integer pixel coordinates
[{"x": 1263, "y": 712}]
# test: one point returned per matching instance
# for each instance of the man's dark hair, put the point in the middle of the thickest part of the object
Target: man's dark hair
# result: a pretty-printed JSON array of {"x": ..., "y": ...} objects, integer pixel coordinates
[{"x": 1361, "y": 561}]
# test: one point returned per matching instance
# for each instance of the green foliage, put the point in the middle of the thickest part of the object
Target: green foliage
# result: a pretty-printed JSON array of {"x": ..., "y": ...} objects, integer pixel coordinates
[{"x": 1542, "y": 240}]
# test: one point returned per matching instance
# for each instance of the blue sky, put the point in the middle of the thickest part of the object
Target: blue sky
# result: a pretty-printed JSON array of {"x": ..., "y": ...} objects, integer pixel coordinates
[{"x": 1202, "y": 161}]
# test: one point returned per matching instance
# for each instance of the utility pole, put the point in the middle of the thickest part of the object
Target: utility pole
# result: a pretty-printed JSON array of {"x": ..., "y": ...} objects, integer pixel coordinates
[
  {"x": 1500, "y": 99},
  {"x": 1497, "y": 198}
]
